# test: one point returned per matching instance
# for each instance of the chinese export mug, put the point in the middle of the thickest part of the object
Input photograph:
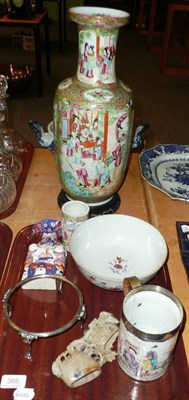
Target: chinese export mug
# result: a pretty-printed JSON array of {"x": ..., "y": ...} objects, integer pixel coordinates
[{"x": 151, "y": 319}]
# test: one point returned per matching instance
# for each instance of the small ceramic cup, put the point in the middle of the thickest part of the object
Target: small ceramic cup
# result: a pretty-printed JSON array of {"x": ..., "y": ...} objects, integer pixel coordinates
[
  {"x": 74, "y": 212},
  {"x": 151, "y": 319}
]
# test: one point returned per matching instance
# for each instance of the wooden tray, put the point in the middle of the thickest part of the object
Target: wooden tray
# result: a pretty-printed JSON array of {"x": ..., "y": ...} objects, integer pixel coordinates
[
  {"x": 5, "y": 241},
  {"x": 26, "y": 160},
  {"x": 113, "y": 383}
]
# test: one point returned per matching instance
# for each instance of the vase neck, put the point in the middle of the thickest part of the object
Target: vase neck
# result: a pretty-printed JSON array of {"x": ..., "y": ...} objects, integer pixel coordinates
[{"x": 97, "y": 51}]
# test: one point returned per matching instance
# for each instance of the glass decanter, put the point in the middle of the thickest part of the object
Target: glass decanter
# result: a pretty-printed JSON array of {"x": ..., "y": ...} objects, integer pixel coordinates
[{"x": 12, "y": 141}]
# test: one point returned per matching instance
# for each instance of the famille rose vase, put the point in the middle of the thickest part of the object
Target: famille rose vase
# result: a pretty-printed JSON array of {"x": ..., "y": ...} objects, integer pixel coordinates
[{"x": 93, "y": 112}]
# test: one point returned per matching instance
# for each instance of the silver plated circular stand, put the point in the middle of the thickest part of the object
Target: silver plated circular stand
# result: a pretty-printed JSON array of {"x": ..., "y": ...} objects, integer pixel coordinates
[{"x": 28, "y": 336}]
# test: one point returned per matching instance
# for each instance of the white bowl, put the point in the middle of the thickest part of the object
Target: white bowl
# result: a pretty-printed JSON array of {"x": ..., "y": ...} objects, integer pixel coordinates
[{"x": 109, "y": 248}]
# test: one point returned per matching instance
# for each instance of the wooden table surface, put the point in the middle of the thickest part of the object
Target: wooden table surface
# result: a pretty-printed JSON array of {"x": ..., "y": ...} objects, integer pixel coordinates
[{"x": 39, "y": 201}]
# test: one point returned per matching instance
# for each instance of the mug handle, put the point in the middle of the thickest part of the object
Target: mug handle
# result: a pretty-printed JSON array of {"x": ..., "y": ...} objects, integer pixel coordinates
[{"x": 130, "y": 283}]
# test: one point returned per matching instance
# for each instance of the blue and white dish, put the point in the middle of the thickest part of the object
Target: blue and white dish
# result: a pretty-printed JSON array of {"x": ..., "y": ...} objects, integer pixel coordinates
[{"x": 166, "y": 167}]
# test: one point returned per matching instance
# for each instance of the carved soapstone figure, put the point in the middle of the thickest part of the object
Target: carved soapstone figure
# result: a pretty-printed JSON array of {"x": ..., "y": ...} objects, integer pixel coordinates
[{"x": 83, "y": 358}]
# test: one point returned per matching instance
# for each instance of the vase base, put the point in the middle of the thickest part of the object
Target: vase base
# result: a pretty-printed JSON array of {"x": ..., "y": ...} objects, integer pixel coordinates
[{"x": 108, "y": 207}]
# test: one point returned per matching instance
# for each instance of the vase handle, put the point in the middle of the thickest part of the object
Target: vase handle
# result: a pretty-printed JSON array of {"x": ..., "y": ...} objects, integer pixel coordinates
[
  {"x": 138, "y": 140},
  {"x": 46, "y": 139}
]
